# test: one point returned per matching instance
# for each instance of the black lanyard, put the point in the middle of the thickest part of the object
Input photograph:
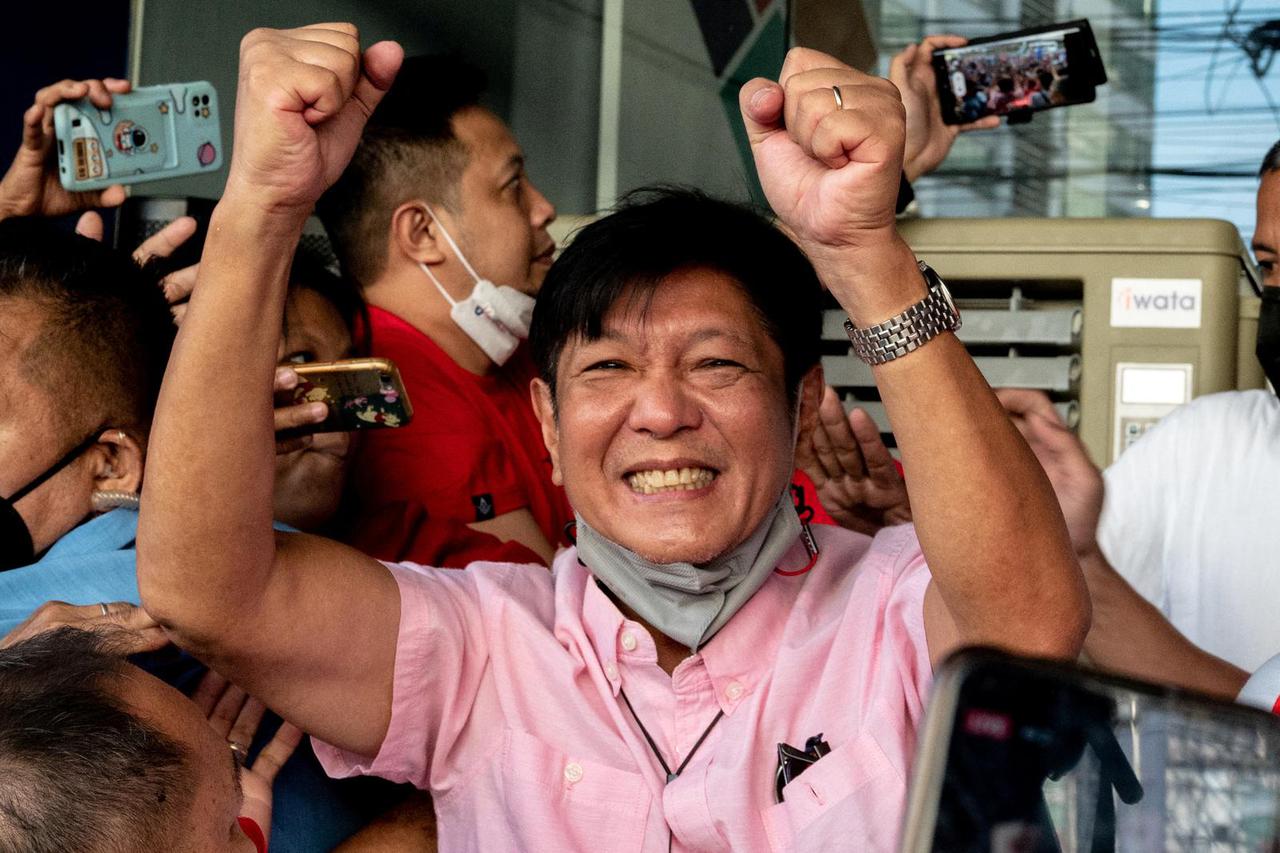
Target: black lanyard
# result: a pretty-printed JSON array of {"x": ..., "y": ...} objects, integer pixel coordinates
[{"x": 653, "y": 747}]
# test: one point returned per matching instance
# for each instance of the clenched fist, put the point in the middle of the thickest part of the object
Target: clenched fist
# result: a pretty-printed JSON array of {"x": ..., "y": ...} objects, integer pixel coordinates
[
  {"x": 829, "y": 165},
  {"x": 302, "y": 102}
]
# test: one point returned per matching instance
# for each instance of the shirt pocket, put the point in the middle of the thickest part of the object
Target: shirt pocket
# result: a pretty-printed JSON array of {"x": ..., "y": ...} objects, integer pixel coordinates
[
  {"x": 850, "y": 799},
  {"x": 555, "y": 800}
]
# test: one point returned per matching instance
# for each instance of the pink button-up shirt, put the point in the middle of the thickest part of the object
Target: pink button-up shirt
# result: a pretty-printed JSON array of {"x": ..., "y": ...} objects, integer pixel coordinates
[{"x": 506, "y": 707}]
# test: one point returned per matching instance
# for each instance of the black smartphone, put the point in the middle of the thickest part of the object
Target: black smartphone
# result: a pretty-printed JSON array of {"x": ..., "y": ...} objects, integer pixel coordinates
[
  {"x": 1041, "y": 757},
  {"x": 1018, "y": 74}
]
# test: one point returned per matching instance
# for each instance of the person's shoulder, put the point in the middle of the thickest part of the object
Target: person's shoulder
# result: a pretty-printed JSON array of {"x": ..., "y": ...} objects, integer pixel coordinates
[
  {"x": 1230, "y": 409},
  {"x": 891, "y": 554}
]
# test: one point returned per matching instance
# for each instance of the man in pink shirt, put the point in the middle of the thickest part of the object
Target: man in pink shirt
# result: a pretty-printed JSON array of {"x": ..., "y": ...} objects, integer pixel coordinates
[{"x": 637, "y": 697}]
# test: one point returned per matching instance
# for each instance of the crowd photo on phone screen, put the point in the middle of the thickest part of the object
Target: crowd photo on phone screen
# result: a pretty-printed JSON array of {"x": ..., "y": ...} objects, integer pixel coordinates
[{"x": 1030, "y": 75}]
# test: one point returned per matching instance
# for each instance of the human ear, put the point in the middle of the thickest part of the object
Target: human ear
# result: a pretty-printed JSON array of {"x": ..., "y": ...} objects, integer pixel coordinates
[
  {"x": 544, "y": 408},
  {"x": 415, "y": 234},
  {"x": 117, "y": 462}
]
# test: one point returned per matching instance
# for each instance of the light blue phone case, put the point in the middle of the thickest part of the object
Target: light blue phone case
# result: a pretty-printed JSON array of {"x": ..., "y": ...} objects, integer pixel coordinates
[{"x": 148, "y": 134}]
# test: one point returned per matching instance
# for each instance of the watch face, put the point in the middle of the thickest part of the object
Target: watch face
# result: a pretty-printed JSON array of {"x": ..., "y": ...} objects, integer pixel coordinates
[{"x": 936, "y": 283}]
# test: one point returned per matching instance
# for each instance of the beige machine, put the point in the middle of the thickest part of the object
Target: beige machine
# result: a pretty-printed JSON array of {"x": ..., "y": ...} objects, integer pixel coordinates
[{"x": 1119, "y": 320}]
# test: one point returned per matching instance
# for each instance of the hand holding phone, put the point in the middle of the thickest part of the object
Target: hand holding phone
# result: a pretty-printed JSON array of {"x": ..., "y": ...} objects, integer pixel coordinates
[
  {"x": 149, "y": 134},
  {"x": 31, "y": 186},
  {"x": 360, "y": 393}
]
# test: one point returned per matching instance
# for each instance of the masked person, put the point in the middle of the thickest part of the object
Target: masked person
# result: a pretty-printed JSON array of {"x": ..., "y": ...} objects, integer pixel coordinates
[
  {"x": 634, "y": 697},
  {"x": 1183, "y": 521}
]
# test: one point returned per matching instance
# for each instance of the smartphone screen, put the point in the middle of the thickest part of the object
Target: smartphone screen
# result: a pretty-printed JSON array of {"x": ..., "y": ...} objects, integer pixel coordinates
[{"x": 1019, "y": 73}]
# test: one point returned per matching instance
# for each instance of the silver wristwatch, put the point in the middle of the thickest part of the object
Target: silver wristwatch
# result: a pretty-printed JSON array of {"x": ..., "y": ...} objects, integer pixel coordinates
[{"x": 911, "y": 329}]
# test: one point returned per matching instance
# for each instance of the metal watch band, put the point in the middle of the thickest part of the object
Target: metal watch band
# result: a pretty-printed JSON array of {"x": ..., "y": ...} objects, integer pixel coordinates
[{"x": 911, "y": 329}]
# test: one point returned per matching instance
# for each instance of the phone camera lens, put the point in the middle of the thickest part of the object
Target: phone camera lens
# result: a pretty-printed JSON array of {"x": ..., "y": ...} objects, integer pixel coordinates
[{"x": 139, "y": 137}]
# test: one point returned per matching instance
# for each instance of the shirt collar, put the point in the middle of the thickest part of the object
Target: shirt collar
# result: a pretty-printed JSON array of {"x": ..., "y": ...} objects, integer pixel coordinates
[{"x": 111, "y": 531}]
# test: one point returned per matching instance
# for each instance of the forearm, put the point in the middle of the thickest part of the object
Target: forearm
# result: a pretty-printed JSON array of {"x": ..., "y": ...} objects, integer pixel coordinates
[
  {"x": 1131, "y": 637},
  {"x": 205, "y": 543},
  {"x": 988, "y": 521}
]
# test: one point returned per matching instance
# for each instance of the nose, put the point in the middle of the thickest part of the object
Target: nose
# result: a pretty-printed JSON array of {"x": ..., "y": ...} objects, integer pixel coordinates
[
  {"x": 662, "y": 407},
  {"x": 541, "y": 211}
]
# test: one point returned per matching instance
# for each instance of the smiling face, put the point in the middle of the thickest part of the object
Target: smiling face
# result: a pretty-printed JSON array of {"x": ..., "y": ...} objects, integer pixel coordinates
[{"x": 674, "y": 436}]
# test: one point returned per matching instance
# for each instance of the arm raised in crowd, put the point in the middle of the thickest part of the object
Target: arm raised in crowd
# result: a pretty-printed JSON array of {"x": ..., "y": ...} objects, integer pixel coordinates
[
  {"x": 295, "y": 620},
  {"x": 1003, "y": 570},
  {"x": 1129, "y": 635}
]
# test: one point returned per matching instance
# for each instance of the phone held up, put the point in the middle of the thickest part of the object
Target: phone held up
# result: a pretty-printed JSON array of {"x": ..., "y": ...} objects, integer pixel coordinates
[
  {"x": 149, "y": 134},
  {"x": 1019, "y": 74},
  {"x": 361, "y": 393}
]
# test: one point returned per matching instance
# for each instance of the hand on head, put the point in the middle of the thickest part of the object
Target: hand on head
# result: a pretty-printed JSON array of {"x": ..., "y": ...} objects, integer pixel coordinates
[
  {"x": 130, "y": 629},
  {"x": 31, "y": 186},
  {"x": 929, "y": 138}
]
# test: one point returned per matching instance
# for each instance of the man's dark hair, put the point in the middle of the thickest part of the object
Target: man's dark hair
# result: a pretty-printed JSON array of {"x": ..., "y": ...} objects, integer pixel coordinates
[
  {"x": 657, "y": 231},
  {"x": 78, "y": 771},
  {"x": 107, "y": 330},
  {"x": 1271, "y": 162},
  {"x": 408, "y": 150}
]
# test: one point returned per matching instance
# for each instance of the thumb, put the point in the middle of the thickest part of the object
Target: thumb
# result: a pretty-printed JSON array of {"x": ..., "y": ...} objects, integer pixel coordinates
[
  {"x": 761, "y": 103},
  {"x": 379, "y": 65}
]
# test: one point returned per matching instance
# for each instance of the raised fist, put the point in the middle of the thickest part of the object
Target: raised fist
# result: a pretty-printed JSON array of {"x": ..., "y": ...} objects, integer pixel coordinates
[
  {"x": 829, "y": 163},
  {"x": 302, "y": 102}
]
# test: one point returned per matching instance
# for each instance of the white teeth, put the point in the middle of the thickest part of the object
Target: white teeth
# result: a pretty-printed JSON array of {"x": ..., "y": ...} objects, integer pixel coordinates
[{"x": 670, "y": 480}]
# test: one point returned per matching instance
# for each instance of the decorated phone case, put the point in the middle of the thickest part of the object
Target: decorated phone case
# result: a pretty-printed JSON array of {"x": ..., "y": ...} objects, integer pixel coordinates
[
  {"x": 149, "y": 134},
  {"x": 362, "y": 393}
]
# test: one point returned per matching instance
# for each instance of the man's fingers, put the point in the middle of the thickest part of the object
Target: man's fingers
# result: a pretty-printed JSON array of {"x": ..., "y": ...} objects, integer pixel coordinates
[
  {"x": 300, "y": 415},
  {"x": 247, "y": 721},
  {"x": 899, "y": 64},
  {"x": 843, "y": 443},
  {"x": 227, "y": 709},
  {"x": 984, "y": 123},
  {"x": 802, "y": 59},
  {"x": 208, "y": 691},
  {"x": 33, "y": 130},
  {"x": 277, "y": 751},
  {"x": 166, "y": 241},
  {"x": 875, "y": 455},
  {"x": 112, "y": 196},
  {"x": 178, "y": 285},
  {"x": 90, "y": 225},
  {"x": 1023, "y": 401},
  {"x": 941, "y": 41},
  {"x": 761, "y": 103},
  {"x": 98, "y": 94},
  {"x": 379, "y": 66},
  {"x": 63, "y": 90},
  {"x": 825, "y": 452},
  {"x": 116, "y": 86}
]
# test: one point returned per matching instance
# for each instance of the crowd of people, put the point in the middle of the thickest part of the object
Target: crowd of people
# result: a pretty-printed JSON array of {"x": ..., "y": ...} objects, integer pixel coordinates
[
  {"x": 1034, "y": 77},
  {"x": 575, "y": 603}
]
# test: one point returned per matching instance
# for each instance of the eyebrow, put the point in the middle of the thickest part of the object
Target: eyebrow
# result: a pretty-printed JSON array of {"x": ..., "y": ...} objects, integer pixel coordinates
[
  {"x": 513, "y": 165},
  {"x": 1262, "y": 247},
  {"x": 697, "y": 337}
]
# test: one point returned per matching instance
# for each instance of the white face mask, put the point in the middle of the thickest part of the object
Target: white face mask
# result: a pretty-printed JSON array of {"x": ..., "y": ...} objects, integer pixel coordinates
[{"x": 495, "y": 317}]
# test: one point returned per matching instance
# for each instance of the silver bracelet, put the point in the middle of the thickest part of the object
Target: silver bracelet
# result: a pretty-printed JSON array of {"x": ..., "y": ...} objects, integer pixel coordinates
[{"x": 911, "y": 329}]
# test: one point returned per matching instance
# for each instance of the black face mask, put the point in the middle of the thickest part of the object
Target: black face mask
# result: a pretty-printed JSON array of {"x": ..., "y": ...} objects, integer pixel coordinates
[
  {"x": 1269, "y": 335},
  {"x": 16, "y": 547}
]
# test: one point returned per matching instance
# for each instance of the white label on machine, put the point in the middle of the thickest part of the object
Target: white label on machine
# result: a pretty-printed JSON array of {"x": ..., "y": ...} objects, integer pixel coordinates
[
  {"x": 1145, "y": 393},
  {"x": 1156, "y": 303}
]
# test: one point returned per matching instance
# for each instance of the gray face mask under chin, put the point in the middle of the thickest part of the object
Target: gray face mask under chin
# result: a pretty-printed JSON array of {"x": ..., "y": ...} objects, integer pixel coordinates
[{"x": 685, "y": 602}]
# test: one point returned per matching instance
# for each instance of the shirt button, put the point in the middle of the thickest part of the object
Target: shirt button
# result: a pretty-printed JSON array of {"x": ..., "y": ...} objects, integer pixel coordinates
[
  {"x": 733, "y": 692},
  {"x": 610, "y": 671},
  {"x": 573, "y": 772},
  {"x": 629, "y": 642}
]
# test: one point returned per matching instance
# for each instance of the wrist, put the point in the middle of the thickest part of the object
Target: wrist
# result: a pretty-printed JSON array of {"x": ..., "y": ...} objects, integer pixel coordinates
[
  {"x": 872, "y": 282},
  {"x": 241, "y": 210}
]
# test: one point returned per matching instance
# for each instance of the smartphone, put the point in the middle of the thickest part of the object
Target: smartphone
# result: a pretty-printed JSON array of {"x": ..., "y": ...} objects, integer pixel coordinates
[
  {"x": 1020, "y": 73},
  {"x": 362, "y": 393},
  {"x": 149, "y": 134},
  {"x": 1040, "y": 757}
]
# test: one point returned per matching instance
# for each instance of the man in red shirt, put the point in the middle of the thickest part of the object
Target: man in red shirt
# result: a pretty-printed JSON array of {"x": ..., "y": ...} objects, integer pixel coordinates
[{"x": 438, "y": 222}]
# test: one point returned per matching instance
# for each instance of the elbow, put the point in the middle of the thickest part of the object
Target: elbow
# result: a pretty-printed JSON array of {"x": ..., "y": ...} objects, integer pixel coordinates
[{"x": 1059, "y": 624}]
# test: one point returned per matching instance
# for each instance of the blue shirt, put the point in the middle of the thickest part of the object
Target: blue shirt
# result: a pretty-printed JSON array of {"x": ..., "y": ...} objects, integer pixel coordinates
[{"x": 95, "y": 563}]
